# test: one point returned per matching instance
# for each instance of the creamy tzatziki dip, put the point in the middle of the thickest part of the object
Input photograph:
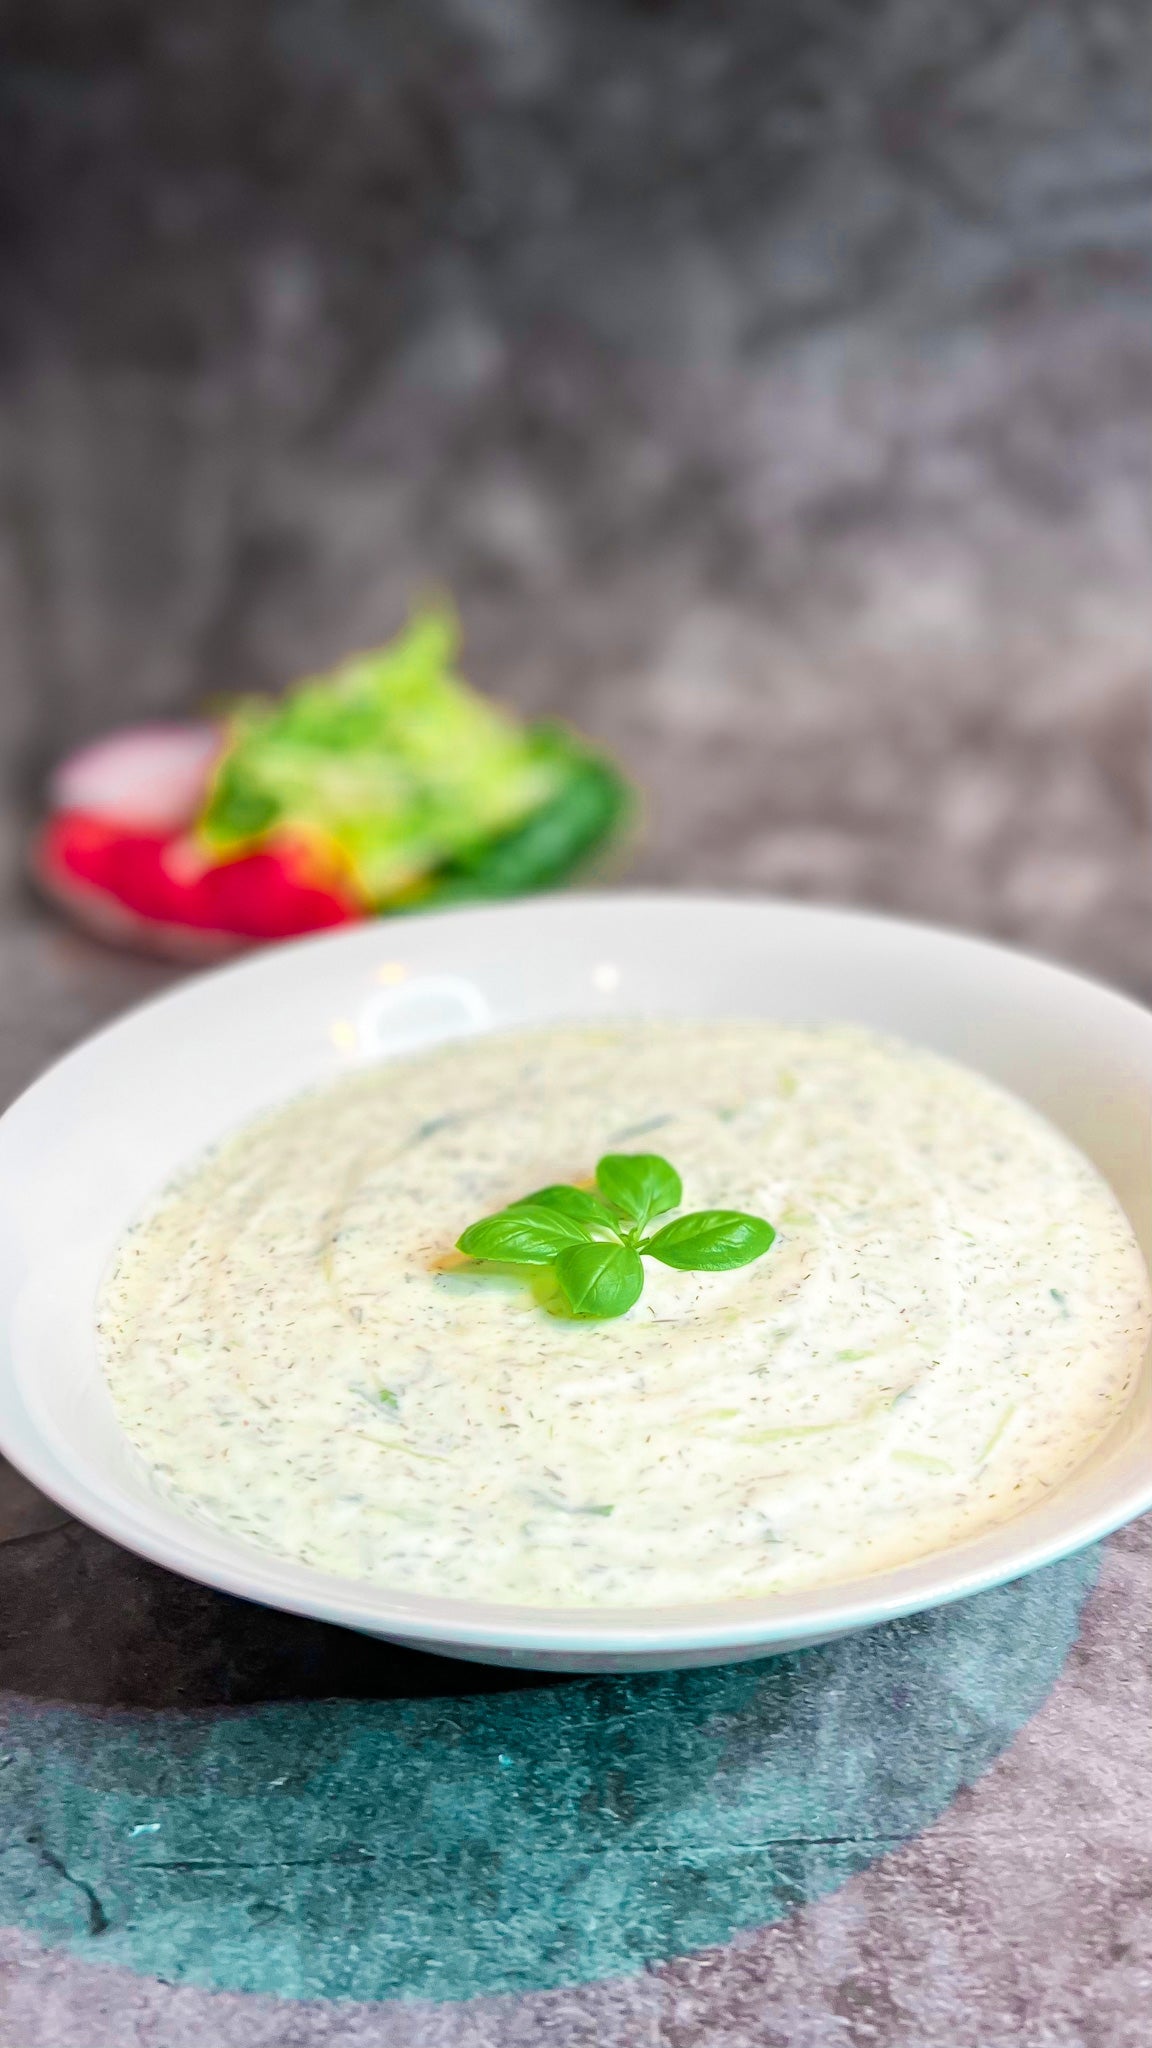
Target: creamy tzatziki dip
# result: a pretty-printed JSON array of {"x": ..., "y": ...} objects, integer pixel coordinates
[{"x": 952, "y": 1314}]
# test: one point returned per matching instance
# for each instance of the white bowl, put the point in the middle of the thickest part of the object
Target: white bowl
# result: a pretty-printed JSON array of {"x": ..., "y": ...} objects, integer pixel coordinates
[{"x": 85, "y": 1148}]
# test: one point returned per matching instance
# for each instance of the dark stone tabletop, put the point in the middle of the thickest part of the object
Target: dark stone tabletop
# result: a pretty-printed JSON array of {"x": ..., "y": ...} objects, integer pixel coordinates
[{"x": 772, "y": 386}]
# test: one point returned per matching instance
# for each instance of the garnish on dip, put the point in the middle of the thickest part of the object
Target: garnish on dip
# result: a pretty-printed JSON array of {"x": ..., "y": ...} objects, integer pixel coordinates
[{"x": 593, "y": 1238}]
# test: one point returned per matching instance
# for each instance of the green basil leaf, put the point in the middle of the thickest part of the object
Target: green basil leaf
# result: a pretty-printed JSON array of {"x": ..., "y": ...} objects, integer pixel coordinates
[
  {"x": 640, "y": 1183},
  {"x": 522, "y": 1237},
  {"x": 600, "y": 1279},
  {"x": 568, "y": 1201},
  {"x": 711, "y": 1241}
]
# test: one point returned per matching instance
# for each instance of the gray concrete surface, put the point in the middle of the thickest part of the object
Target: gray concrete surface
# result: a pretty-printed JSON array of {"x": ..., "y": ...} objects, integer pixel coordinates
[{"x": 773, "y": 388}]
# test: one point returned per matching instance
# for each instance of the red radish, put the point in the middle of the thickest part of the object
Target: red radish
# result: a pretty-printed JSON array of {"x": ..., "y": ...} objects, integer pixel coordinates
[
  {"x": 151, "y": 778},
  {"x": 136, "y": 887}
]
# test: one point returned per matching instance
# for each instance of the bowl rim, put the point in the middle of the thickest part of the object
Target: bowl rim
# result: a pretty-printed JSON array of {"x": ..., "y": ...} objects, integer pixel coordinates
[{"x": 179, "y": 1542}]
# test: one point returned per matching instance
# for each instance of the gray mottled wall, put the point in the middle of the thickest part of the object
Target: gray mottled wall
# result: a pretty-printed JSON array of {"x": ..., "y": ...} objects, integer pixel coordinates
[{"x": 772, "y": 383}]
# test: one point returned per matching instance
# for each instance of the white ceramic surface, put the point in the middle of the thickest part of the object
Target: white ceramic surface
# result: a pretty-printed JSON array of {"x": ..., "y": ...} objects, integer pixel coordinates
[{"x": 85, "y": 1148}]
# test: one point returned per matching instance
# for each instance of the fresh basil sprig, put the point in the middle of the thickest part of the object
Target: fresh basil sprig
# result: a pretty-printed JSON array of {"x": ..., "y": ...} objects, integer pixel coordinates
[
  {"x": 527, "y": 1236},
  {"x": 592, "y": 1238}
]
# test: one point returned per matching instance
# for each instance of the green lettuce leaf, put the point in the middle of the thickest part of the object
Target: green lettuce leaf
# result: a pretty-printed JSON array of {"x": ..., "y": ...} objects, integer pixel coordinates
[{"x": 407, "y": 780}]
